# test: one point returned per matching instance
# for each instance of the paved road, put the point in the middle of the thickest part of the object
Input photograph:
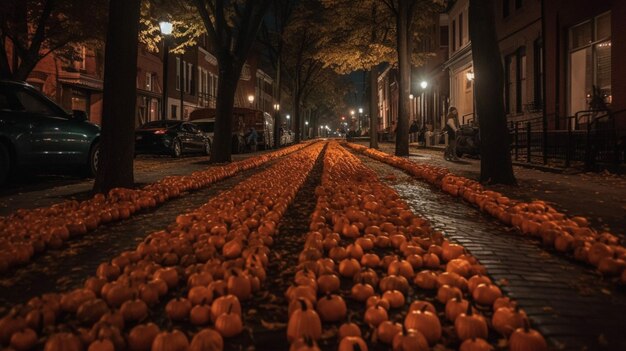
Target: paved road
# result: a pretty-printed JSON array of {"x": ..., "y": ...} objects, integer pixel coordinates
[{"x": 569, "y": 303}]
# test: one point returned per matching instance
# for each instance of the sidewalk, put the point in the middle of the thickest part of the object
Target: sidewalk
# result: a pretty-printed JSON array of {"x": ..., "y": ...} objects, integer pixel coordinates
[
  {"x": 33, "y": 191},
  {"x": 601, "y": 197}
]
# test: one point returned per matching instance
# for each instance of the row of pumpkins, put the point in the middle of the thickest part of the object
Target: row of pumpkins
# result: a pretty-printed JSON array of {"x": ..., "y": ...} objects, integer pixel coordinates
[
  {"x": 571, "y": 235},
  {"x": 203, "y": 266},
  {"x": 366, "y": 246},
  {"x": 28, "y": 232}
]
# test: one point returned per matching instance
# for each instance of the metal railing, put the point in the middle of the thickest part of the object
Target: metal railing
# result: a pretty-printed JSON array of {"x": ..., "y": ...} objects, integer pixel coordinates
[{"x": 593, "y": 139}]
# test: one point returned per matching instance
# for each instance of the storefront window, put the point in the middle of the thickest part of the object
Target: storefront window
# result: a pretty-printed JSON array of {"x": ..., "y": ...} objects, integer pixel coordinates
[{"x": 590, "y": 64}]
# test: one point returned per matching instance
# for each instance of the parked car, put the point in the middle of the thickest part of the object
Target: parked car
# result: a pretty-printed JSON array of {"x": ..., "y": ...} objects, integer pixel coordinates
[
  {"x": 35, "y": 131},
  {"x": 171, "y": 137}
]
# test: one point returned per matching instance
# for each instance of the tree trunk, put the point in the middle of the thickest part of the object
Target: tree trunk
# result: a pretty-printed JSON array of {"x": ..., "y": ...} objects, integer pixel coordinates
[
  {"x": 373, "y": 90},
  {"x": 115, "y": 168},
  {"x": 404, "y": 64},
  {"x": 277, "y": 119},
  {"x": 296, "y": 116},
  {"x": 495, "y": 155},
  {"x": 226, "y": 88}
]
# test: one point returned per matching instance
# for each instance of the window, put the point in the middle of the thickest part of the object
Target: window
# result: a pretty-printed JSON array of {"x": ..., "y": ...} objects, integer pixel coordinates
[
  {"x": 461, "y": 30},
  {"x": 443, "y": 36},
  {"x": 520, "y": 89},
  {"x": 148, "y": 81},
  {"x": 189, "y": 79},
  {"x": 509, "y": 86},
  {"x": 590, "y": 64},
  {"x": 538, "y": 73},
  {"x": 519, "y": 4},
  {"x": 83, "y": 58},
  {"x": 174, "y": 110},
  {"x": 453, "y": 36},
  {"x": 506, "y": 10},
  {"x": 178, "y": 73}
]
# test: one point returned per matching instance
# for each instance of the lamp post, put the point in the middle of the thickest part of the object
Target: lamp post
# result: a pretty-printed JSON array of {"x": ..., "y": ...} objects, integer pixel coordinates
[
  {"x": 361, "y": 118},
  {"x": 251, "y": 100},
  {"x": 470, "y": 77},
  {"x": 166, "y": 31},
  {"x": 306, "y": 129},
  {"x": 288, "y": 121},
  {"x": 423, "y": 85}
]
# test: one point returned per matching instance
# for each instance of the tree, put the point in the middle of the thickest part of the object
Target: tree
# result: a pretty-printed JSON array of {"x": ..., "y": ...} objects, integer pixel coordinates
[
  {"x": 362, "y": 37},
  {"x": 36, "y": 28},
  {"x": 495, "y": 155},
  {"x": 272, "y": 36},
  {"x": 301, "y": 43},
  {"x": 232, "y": 27},
  {"x": 115, "y": 168}
]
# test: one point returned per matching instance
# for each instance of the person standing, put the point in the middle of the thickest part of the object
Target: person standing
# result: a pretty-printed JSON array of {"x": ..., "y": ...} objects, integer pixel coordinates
[
  {"x": 252, "y": 139},
  {"x": 452, "y": 127}
]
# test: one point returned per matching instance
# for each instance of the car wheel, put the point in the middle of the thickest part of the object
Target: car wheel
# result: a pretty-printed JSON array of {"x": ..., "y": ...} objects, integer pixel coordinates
[
  {"x": 207, "y": 148},
  {"x": 94, "y": 160},
  {"x": 177, "y": 149},
  {"x": 5, "y": 163}
]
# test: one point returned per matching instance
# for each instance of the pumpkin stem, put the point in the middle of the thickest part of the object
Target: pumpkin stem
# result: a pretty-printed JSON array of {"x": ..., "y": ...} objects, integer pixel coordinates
[
  {"x": 469, "y": 309},
  {"x": 230, "y": 308},
  {"x": 423, "y": 309},
  {"x": 526, "y": 325},
  {"x": 302, "y": 304},
  {"x": 356, "y": 347}
]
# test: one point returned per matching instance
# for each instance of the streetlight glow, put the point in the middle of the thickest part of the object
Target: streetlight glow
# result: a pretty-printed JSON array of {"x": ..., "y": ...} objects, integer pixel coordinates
[
  {"x": 276, "y": 107},
  {"x": 352, "y": 112},
  {"x": 166, "y": 27},
  {"x": 360, "y": 109},
  {"x": 306, "y": 123},
  {"x": 424, "y": 84},
  {"x": 288, "y": 116},
  {"x": 411, "y": 96},
  {"x": 470, "y": 75},
  {"x": 251, "y": 99}
]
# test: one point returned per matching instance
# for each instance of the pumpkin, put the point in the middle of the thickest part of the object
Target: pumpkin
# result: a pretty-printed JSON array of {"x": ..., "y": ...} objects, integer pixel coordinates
[
  {"x": 101, "y": 345},
  {"x": 91, "y": 311},
  {"x": 63, "y": 342},
  {"x": 486, "y": 294},
  {"x": 178, "y": 309},
  {"x": 425, "y": 322},
  {"x": 426, "y": 280},
  {"x": 24, "y": 339},
  {"x": 134, "y": 310},
  {"x": 377, "y": 300},
  {"x": 410, "y": 340},
  {"x": 394, "y": 282},
  {"x": 454, "y": 307},
  {"x": 200, "y": 315},
  {"x": 141, "y": 337},
  {"x": 459, "y": 266},
  {"x": 476, "y": 280},
  {"x": 229, "y": 324},
  {"x": 198, "y": 295},
  {"x": 420, "y": 304},
  {"x": 331, "y": 308},
  {"x": 370, "y": 260},
  {"x": 239, "y": 285},
  {"x": 168, "y": 275},
  {"x": 387, "y": 331},
  {"x": 469, "y": 325},
  {"x": 352, "y": 343},
  {"x": 402, "y": 268},
  {"x": 207, "y": 340},
  {"x": 328, "y": 283},
  {"x": 475, "y": 344},
  {"x": 506, "y": 320},
  {"x": 304, "y": 322},
  {"x": 523, "y": 339},
  {"x": 170, "y": 341},
  {"x": 375, "y": 315},
  {"x": 447, "y": 292},
  {"x": 361, "y": 292},
  {"x": 348, "y": 329},
  {"x": 349, "y": 267},
  {"x": 368, "y": 276},
  {"x": 304, "y": 344},
  {"x": 223, "y": 304},
  {"x": 395, "y": 298}
]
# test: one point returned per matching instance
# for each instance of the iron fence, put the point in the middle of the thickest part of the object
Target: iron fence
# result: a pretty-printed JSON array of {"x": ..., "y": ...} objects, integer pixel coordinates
[{"x": 593, "y": 139}]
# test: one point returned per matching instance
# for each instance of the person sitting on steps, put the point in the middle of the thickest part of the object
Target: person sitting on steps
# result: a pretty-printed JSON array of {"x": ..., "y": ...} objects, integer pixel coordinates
[{"x": 452, "y": 126}]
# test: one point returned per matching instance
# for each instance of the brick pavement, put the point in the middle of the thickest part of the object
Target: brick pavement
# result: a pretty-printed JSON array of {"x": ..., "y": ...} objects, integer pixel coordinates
[
  {"x": 571, "y": 305},
  {"x": 601, "y": 197}
]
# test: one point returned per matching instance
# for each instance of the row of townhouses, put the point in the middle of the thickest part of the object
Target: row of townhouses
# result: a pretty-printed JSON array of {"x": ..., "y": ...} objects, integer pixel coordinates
[
  {"x": 561, "y": 58},
  {"x": 191, "y": 81}
]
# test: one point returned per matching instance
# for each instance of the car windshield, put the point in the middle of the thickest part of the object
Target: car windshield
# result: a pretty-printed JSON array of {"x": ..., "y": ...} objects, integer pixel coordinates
[
  {"x": 206, "y": 127},
  {"x": 160, "y": 124}
]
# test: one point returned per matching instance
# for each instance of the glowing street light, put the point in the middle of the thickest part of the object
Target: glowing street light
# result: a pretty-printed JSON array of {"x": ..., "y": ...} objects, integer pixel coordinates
[
  {"x": 470, "y": 75},
  {"x": 360, "y": 109},
  {"x": 166, "y": 27},
  {"x": 288, "y": 116},
  {"x": 424, "y": 84},
  {"x": 277, "y": 107},
  {"x": 411, "y": 96},
  {"x": 251, "y": 99}
]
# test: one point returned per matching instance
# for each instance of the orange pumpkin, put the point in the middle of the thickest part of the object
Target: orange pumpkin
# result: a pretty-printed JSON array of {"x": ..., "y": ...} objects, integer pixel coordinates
[
  {"x": 331, "y": 308},
  {"x": 387, "y": 331},
  {"x": 141, "y": 337},
  {"x": 469, "y": 325},
  {"x": 523, "y": 339},
  {"x": 425, "y": 322},
  {"x": 348, "y": 329},
  {"x": 170, "y": 341},
  {"x": 304, "y": 322},
  {"x": 375, "y": 315},
  {"x": 229, "y": 324},
  {"x": 475, "y": 344},
  {"x": 352, "y": 343},
  {"x": 506, "y": 320},
  {"x": 486, "y": 294},
  {"x": 410, "y": 340}
]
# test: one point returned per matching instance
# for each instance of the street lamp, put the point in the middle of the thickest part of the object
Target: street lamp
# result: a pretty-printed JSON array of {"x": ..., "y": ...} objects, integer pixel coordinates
[
  {"x": 470, "y": 78},
  {"x": 277, "y": 107},
  {"x": 288, "y": 121},
  {"x": 166, "y": 30},
  {"x": 251, "y": 99},
  {"x": 470, "y": 75},
  {"x": 424, "y": 84}
]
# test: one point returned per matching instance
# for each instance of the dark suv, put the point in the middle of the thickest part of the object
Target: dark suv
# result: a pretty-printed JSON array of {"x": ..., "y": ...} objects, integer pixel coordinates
[{"x": 34, "y": 131}]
